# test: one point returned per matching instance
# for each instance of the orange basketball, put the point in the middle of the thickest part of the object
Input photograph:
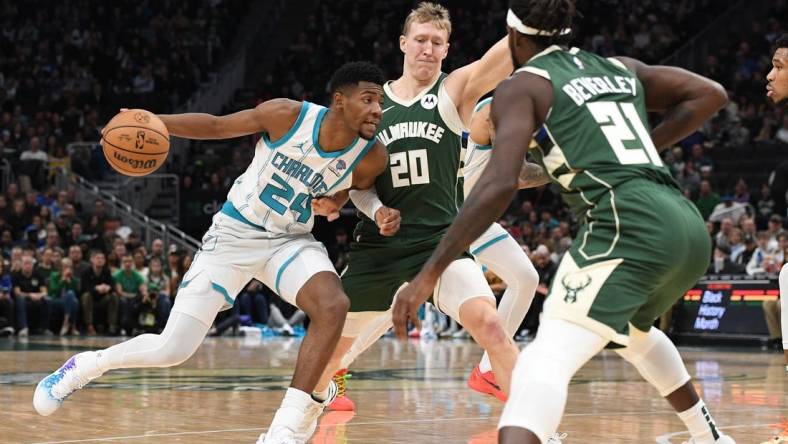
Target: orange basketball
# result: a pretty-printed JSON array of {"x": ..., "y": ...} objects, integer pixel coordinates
[{"x": 136, "y": 142}]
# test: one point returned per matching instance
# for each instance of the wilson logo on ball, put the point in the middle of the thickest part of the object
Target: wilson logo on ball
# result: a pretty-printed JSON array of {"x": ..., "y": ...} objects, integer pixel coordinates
[{"x": 135, "y": 163}]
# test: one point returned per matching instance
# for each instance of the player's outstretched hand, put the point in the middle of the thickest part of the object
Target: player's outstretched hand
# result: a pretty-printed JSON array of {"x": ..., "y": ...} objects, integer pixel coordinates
[
  {"x": 407, "y": 303},
  {"x": 388, "y": 220},
  {"x": 326, "y": 206}
]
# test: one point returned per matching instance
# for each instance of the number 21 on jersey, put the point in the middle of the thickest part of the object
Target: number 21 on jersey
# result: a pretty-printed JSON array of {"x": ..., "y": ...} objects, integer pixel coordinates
[
  {"x": 613, "y": 118},
  {"x": 409, "y": 168}
]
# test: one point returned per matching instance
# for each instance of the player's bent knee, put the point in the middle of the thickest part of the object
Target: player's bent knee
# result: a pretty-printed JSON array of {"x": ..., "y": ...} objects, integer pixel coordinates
[
  {"x": 332, "y": 307},
  {"x": 527, "y": 273},
  {"x": 483, "y": 322},
  {"x": 537, "y": 364},
  {"x": 657, "y": 360}
]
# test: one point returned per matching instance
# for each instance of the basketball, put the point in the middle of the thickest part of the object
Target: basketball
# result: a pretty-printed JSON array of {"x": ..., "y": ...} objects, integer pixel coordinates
[{"x": 135, "y": 142}]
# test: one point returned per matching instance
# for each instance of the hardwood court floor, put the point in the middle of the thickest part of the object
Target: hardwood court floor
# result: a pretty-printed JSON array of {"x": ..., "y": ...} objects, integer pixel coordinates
[{"x": 405, "y": 393}]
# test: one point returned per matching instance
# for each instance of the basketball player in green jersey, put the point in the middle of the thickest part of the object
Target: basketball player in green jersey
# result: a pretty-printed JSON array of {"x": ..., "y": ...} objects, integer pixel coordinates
[
  {"x": 777, "y": 91},
  {"x": 424, "y": 114},
  {"x": 641, "y": 245}
]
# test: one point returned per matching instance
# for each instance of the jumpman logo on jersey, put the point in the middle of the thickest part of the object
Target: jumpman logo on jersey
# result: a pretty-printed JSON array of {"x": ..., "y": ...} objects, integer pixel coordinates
[{"x": 300, "y": 146}]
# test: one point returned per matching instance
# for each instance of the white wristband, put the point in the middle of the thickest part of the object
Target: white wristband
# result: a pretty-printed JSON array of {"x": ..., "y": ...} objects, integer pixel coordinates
[{"x": 367, "y": 201}]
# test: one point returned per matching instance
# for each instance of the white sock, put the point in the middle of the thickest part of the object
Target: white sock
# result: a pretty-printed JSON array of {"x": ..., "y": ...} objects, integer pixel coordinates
[
  {"x": 293, "y": 408},
  {"x": 508, "y": 261},
  {"x": 700, "y": 424},
  {"x": 485, "y": 365},
  {"x": 320, "y": 396}
]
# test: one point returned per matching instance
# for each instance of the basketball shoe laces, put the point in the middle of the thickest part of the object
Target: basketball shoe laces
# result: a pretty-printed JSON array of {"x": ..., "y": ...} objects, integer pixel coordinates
[{"x": 341, "y": 381}]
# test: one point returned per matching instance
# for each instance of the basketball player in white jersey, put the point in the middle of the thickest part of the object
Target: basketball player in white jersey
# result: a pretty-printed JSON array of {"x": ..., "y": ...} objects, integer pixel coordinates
[
  {"x": 263, "y": 232},
  {"x": 777, "y": 91}
]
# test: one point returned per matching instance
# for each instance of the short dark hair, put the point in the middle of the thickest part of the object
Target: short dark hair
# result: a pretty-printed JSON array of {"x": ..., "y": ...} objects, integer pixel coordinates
[
  {"x": 781, "y": 42},
  {"x": 350, "y": 74},
  {"x": 96, "y": 252},
  {"x": 547, "y": 15}
]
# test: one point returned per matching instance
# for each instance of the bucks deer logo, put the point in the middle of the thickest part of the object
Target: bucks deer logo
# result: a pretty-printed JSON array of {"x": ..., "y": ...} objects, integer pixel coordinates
[{"x": 572, "y": 289}]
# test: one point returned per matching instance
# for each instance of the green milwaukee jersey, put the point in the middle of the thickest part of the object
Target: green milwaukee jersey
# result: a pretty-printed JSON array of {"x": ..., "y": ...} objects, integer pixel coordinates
[
  {"x": 423, "y": 136},
  {"x": 596, "y": 135}
]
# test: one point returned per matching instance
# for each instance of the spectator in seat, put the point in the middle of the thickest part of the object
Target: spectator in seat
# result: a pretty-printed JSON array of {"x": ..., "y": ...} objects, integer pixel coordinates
[
  {"x": 737, "y": 246},
  {"x": 156, "y": 250},
  {"x": 33, "y": 163},
  {"x": 18, "y": 219},
  {"x": 139, "y": 262},
  {"x": 254, "y": 303},
  {"x": 63, "y": 289},
  {"x": 58, "y": 159},
  {"x": 30, "y": 297},
  {"x": 750, "y": 246},
  {"x": 722, "y": 263},
  {"x": 135, "y": 303},
  {"x": 780, "y": 256},
  {"x": 159, "y": 287},
  {"x": 756, "y": 264},
  {"x": 60, "y": 203},
  {"x": 728, "y": 208},
  {"x": 174, "y": 271},
  {"x": 774, "y": 228},
  {"x": 764, "y": 207},
  {"x": 741, "y": 193},
  {"x": 79, "y": 265},
  {"x": 75, "y": 236},
  {"x": 707, "y": 199},
  {"x": 748, "y": 227},
  {"x": 115, "y": 258},
  {"x": 98, "y": 294},
  {"x": 45, "y": 266},
  {"x": 52, "y": 240},
  {"x": 723, "y": 237}
]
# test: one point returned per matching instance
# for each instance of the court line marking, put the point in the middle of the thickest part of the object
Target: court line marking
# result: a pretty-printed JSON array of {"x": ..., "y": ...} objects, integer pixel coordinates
[
  {"x": 662, "y": 439},
  {"x": 665, "y": 439},
  {"x": 200, "y": 432}
]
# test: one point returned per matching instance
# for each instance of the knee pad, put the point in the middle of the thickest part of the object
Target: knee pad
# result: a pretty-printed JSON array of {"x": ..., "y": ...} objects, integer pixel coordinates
[{"x": 656, "y": 359}]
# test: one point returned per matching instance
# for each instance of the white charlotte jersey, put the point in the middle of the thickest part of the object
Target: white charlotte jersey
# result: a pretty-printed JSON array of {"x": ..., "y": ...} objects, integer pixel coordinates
[
  {"x": 476, "y": 156},
  {"x": 275, "y": 193}
]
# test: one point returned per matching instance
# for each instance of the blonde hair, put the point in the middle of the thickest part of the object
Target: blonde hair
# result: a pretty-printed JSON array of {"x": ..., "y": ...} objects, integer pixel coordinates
[{"x": 428, "y": 12}]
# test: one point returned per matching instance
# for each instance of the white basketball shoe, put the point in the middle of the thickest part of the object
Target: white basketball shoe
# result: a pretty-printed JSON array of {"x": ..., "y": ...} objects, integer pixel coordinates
[
  {"x": 313, "y": 412},
  {"x": 79, "y": 370},
  {"x": 278, "y": 435},
  {"x": 307, "y": 426}
]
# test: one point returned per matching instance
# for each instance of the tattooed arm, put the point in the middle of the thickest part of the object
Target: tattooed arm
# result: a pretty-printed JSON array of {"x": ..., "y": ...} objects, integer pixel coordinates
[{"x": 532, "y": 176}]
